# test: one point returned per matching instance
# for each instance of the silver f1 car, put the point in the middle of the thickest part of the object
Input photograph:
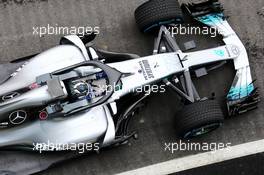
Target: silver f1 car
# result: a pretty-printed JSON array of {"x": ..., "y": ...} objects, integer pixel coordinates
[{"x": 75, "y": 93}]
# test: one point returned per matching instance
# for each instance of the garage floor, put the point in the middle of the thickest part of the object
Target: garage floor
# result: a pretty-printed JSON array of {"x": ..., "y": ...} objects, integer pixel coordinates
[{"x": 119, "y": 33}]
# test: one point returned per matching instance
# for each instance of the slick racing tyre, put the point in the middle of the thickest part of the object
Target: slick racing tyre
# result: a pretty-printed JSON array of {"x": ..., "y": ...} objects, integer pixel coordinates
[
  {"x": 199, "y": 118},
  {"x": 154, "y": 13}
]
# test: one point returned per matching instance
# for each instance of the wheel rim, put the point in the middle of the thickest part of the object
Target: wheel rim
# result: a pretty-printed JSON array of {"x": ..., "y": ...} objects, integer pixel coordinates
[{"x": 202, "y": 130}]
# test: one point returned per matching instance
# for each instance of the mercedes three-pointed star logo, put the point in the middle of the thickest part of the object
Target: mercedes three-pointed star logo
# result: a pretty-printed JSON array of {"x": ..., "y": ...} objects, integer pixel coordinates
[
  {"x": 10, "y": 96},
  {"x": 17, "y": 117}
]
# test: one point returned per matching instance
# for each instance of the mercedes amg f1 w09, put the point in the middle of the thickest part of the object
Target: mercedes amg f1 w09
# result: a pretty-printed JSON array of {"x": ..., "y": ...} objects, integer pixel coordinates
[{"x": 76, "y": 93}]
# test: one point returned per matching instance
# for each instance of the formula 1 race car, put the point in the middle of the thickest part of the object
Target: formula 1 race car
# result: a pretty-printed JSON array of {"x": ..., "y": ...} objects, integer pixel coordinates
[{"x": 75, "y": 93}]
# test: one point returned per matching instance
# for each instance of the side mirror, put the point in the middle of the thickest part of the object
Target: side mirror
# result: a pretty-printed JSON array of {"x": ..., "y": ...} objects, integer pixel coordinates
[{"x": 87, "y": 37}]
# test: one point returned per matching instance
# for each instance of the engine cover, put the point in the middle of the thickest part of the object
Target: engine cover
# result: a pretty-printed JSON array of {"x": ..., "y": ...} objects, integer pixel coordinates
[{"x": 85, "y": 127}]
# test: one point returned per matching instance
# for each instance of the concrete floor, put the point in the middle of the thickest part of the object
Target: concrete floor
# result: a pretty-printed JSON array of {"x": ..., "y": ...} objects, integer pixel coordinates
[{"x": 118, "y": 32}]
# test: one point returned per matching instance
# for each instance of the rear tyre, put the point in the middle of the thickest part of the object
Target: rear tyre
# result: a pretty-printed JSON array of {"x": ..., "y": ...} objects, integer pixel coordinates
[
  {"x": 154, "y": 13},
  {"x": 199, "y": 118}
]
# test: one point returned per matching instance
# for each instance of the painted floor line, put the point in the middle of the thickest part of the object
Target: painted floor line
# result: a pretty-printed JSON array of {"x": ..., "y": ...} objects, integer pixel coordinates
[{"x": 199, "y": 160}]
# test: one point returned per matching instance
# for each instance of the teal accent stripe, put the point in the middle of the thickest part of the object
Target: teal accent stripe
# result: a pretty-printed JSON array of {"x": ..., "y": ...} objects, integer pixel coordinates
[
  {"x": 237, "y": 93},
  {"x": 211, "y": 19}
]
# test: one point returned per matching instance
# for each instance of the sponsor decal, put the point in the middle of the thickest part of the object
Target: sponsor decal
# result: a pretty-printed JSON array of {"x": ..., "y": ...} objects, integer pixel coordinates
[{"x": 146, "y": 69}]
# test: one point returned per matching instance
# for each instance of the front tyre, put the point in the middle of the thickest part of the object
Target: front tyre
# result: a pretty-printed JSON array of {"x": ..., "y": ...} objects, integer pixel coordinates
[
  {"x": 199, "y": 118},
  {"x": 154, "y": 13}
]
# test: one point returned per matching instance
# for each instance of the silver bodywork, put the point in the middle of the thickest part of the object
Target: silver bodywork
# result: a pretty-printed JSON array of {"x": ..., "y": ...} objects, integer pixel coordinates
[
  {"x": 85, "y": 127},
  {"x": 48, "y": 61},
  {"x": 95, "y": 123}
]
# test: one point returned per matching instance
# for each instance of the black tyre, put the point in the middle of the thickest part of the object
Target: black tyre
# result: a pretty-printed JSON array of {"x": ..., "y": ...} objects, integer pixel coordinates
[
  {"x": 154, "y": 13},
  {"x": 199, "y": 118}
]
